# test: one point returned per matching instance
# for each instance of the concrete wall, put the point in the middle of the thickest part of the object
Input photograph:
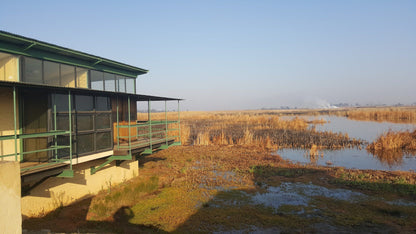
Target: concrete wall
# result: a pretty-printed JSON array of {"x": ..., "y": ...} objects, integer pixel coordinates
[
  {"x": 7, "y": 123},
  {"x": 10, "y": 208},
  {"x": 55, "y": 191}
]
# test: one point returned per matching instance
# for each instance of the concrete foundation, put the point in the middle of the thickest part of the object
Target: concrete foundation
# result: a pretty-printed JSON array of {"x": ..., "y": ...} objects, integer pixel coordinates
[
  {"x": 55, "y": 192},
  {"x": 10, "y": 206}
]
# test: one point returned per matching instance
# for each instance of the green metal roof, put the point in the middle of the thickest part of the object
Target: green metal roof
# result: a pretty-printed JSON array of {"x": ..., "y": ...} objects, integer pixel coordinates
[{"x": 16, "y": 44}]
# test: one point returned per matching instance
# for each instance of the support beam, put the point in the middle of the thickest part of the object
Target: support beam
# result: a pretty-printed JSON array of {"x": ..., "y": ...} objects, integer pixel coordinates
[{"x": 109, "y": 160}]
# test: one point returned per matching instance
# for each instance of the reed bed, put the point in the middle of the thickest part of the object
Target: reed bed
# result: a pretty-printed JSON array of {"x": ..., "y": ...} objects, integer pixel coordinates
[
  {"x": 390, "y": 147},
  {"x": 258, "y": 129},
  {"x": 402, "y": 140},
  {"x": 394, "y": 114}
]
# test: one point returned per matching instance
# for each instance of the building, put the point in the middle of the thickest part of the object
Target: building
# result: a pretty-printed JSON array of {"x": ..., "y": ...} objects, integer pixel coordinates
[{"x": 61, "y": 108}]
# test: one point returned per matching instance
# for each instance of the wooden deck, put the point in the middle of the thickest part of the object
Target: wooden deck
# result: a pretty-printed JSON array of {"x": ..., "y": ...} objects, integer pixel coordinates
[
  {"x": 137, "y": 146},
  {"x": 36, "y": 167},
  {"x": 140, "y": 145}
]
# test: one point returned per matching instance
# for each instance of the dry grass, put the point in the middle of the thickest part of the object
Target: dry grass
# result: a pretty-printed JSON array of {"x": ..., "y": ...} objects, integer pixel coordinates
[
  {"x": 260, "y": 129},
  {"x": 404, "y": 140},
  {"x": 209, "y": 188},
  {"x": 395, "y": 115},
  {"x": 390, "y": 147}
]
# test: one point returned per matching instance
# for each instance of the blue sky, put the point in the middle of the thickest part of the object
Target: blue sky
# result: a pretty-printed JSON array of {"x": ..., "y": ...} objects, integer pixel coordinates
[{"x": 221, "y": 55}]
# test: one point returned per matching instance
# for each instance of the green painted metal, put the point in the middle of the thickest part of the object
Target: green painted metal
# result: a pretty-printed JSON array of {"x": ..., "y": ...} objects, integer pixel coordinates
[
  {"x": 15, "y": 123},
  {"x": 109, "y": 160},
  {"x": 34, "y": 135},
  {"x": 26, "y": 46},
  {"x": 70, "y": 129},
  {"x": 54, "y": 133},
  {"x": 66, "y": 174},
  {"x": 164, "y": 146},
  {"x": 150, "y": 125},
  {"x": 54, "y": 124},
  {"x": 166, "y": 124},
  {"x": 179, "y": 124},
  {"x": 118, "y": 128},
  {"x": 128, "y": 110},
  {"x": 147, "y": 152}
]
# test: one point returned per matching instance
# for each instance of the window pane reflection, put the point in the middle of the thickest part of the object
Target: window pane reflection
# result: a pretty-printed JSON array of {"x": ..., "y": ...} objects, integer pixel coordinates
[
  {"x": 130, "y": 85},
  {"x": 51, "y": 73},
  {"x": 110, "y": 83},
  {"x": 82, "y": 77},
  {"x": 97, "y": 80},
  {"x": 67, "y": 76},
  {"x": 121, "y": 84},
  {"x": 33, "y": 70}
]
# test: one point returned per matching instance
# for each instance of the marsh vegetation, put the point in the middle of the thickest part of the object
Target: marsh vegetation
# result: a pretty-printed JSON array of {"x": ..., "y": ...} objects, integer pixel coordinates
[{"x": 227, "y": 177}]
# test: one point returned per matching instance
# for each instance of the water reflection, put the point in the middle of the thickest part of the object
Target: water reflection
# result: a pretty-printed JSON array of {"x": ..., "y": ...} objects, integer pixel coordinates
[
  {"x": 389, "y": 157},
  {"x": 356, "y": 157}
]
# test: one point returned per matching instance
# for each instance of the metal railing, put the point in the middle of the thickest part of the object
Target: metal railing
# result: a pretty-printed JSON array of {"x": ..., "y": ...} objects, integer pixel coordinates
[
  {"x": 146, "y": 134},
  {"x": 18, "y": 137}
]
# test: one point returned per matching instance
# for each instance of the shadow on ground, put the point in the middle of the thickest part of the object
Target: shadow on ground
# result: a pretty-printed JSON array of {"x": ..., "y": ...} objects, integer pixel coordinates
[{"x": 232, "y": 210}]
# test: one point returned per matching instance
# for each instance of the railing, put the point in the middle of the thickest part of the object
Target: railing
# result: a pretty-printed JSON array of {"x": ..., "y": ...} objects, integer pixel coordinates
[
  {"x": 19, "y": 155},
  {"x": 145, "y": 134}
]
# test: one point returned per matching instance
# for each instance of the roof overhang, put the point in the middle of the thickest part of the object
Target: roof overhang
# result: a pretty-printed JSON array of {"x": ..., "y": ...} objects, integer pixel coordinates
[
  {"x": 16, "y": 44},
  {"x": 82, "y": 91}
]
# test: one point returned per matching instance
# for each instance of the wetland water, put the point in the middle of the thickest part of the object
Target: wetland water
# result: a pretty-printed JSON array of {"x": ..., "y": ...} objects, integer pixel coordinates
[{"x": 353, "y": 157}]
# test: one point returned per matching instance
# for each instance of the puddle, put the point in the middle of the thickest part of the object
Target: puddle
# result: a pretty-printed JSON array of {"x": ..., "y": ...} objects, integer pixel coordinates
[{"x": 299, "y": 194}]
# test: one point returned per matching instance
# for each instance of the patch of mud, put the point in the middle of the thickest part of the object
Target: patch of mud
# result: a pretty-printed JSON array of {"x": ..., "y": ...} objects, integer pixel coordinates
[{"x": 299, "y": 194}]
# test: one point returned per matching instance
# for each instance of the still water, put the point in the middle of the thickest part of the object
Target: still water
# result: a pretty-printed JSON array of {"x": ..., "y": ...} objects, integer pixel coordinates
[{"x": 353, "y": 158}]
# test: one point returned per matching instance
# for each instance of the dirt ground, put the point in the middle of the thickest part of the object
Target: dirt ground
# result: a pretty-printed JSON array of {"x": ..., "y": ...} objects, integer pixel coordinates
[{"x": 236, "y": 189}]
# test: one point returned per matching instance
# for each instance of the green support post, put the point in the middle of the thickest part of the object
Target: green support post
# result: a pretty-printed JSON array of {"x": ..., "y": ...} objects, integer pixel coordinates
[
  {"x": 118, "y": 128},
  {"x": 179, "y": 127},
  {"x": 128, "y": 108},
  {"x": 166, "y": 145},
  {"x": 166, "y": 124},
  {"x": 54, "y": 123},
  {"x": 70, "y": 172},
  {"x": 70, "y": 129},
  {"x": 150, "y": 125},
  {"x": 150, "y": 149},
  {"x": 15, "y": 123},
  {"x": 179, "y": 124}
]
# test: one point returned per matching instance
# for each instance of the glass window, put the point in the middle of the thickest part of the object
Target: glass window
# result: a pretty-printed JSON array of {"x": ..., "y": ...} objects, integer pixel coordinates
[
  {"x": 61, "y": 101},
  {"x": 62, "y": 122},
  {"x": 103, "y": 121},
  {"x": 121, "y": 85},
  {"x": 97, "y": 80},
  {"x": 51, "y": 73},
  {"x": 102, "y": 104},
  {"x": 67, "y": 76},
  {"x": 82, "y": 77},
  {"x": 103, "y": 140},
  {"x": 64, "y": 140},
  {"x": 109, "y": 82},
  {"x": 85, "y": 143},
  {"x": 130, "y": 85},
  {"x": 33, "y": 70},
  {"x": 84, "y": 103},
  {"x": 84, "y": 122}
]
